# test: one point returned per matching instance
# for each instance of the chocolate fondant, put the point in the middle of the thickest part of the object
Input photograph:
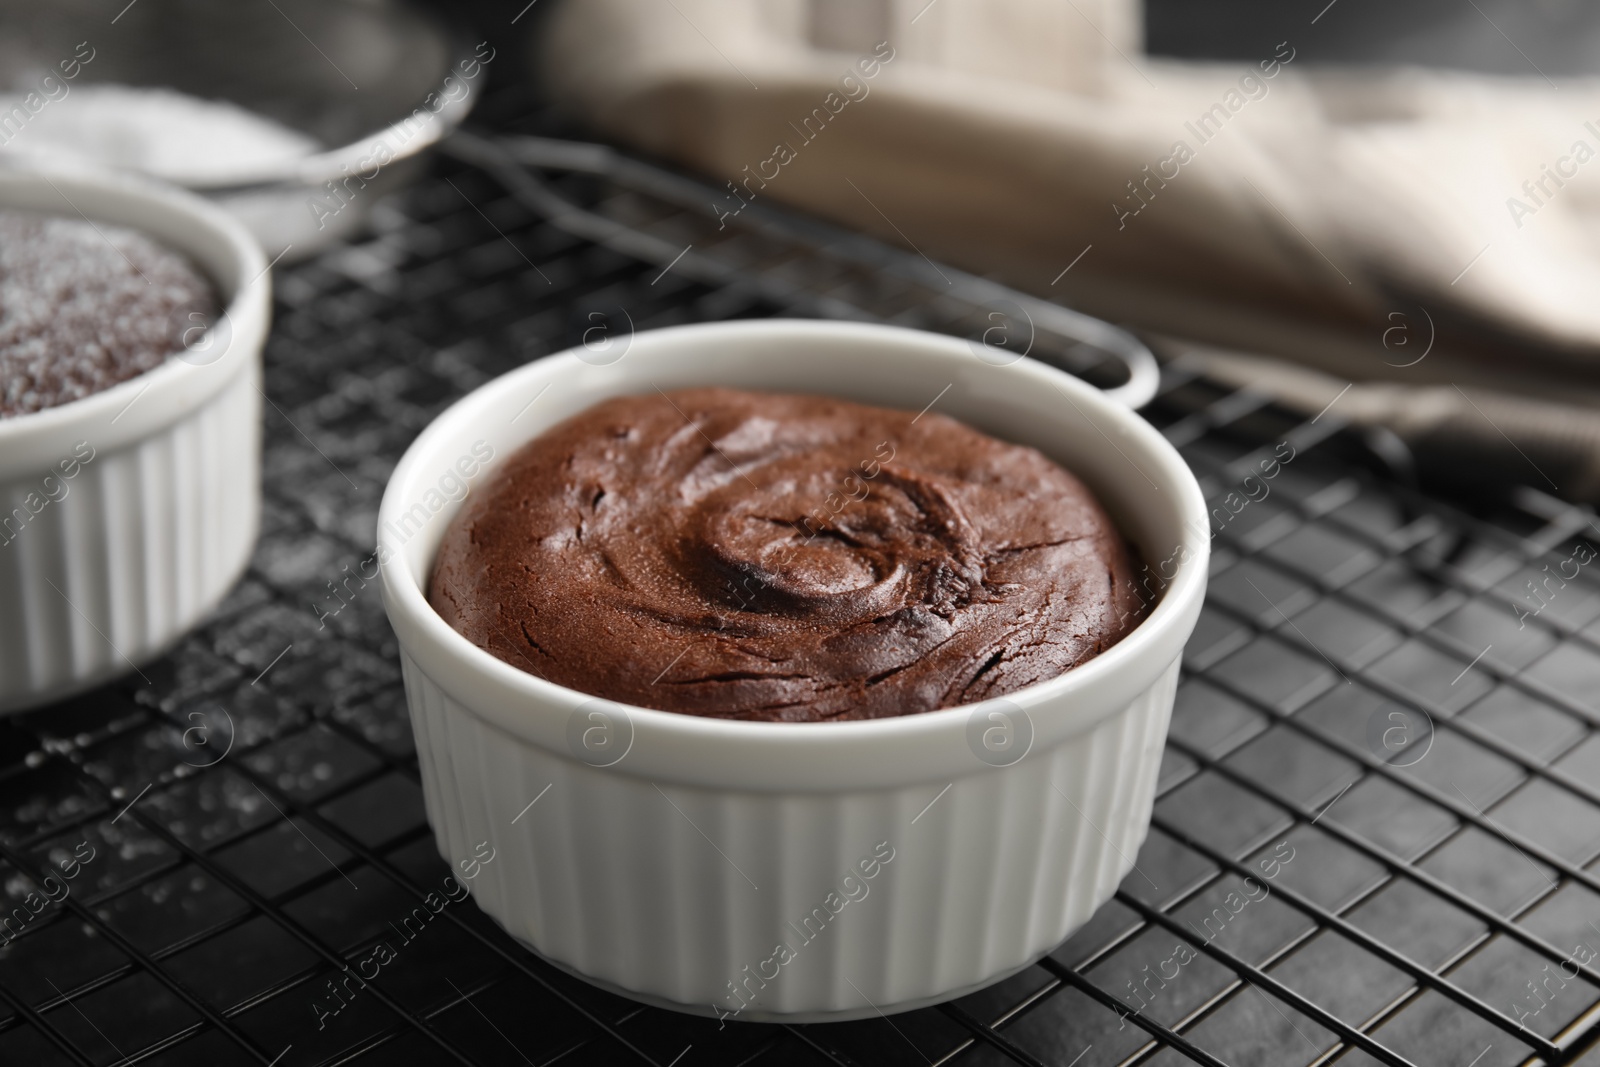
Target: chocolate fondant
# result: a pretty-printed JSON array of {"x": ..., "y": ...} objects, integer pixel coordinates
[
  {"x": 779, "y": 557},
  {"x": 84, "y": 306}
]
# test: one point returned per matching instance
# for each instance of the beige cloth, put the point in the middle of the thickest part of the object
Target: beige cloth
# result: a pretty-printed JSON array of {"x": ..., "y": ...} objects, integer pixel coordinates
[{"x": 1350, "y": 221}]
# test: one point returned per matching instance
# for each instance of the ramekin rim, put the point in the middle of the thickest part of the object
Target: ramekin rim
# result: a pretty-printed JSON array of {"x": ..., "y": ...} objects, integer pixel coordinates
[{"x": 403, "y": 588}]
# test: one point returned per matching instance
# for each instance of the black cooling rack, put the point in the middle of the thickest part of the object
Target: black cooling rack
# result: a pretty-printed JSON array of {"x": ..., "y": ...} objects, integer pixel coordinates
[{"x": 1372, "y": 707}]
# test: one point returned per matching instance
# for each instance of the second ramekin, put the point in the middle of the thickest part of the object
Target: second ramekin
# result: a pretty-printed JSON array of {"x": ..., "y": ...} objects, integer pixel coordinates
[
  {"x": 809, "y": 871},
  {"x": 103, "y": 567}
]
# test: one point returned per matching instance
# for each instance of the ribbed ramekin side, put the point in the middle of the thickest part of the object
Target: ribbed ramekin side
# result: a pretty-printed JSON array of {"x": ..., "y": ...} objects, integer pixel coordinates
[
  {"x": 138, "y": 544},
  {"x": 762, "y": 903},
  {"x": 616, "y": 877},
  {"x": 1145, "y": 750}
]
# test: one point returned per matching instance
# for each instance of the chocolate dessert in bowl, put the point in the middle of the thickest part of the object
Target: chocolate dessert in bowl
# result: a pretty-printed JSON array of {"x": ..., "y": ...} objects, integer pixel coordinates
[
  {"x": 778, "y": 691},
  {"x": 131, "y": 324},
  {"x": 729, "y": 553}
]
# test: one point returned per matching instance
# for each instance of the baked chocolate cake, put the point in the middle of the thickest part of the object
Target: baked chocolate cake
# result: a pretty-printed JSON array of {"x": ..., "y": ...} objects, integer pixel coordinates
[
  {"x": 86, "y": 305},
  {"x": 781, "y": 557}
]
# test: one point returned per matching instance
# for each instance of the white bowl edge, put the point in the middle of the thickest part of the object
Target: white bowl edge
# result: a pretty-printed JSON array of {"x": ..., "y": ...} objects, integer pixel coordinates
[{"x": 1120, "y": 456}]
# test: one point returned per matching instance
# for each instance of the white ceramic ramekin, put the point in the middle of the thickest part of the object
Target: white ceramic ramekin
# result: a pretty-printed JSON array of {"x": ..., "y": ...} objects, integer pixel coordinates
[
  {"x": 115, "y": 560},
  {"x": 721, "y": 867}
]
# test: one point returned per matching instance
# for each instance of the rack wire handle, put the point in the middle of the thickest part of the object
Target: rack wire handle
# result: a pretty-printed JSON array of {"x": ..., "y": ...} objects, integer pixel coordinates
[{"x": 517, "y": 153}]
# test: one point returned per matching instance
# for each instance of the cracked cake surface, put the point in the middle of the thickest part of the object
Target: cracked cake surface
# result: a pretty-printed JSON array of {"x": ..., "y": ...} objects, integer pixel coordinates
[{"x": 783, "y": 557}]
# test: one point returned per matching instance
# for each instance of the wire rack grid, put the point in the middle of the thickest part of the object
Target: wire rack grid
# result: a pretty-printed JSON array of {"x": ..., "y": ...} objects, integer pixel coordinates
[{"x": 1375, "y": 827}]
